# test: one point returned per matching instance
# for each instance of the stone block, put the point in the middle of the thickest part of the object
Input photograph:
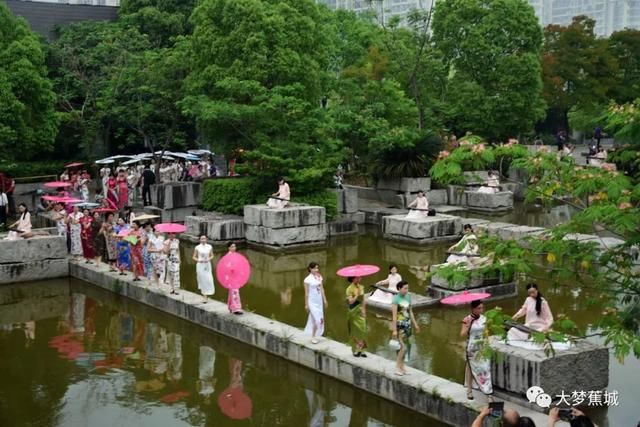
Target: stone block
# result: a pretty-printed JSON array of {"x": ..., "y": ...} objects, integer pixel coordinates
[
  {"x": 339, "y": 194},
  {"x": 493, "y": 228},
  {"x": 294, "y": 262},
  {"x": 404, "y": 185},
  {"x": 456, "y": 195},
  {"x": 33, "y": 249},
  {"x": 404, "y": 256},
  {"x": 286, "y": 236},
  {"x": 195, "y": 225},
  {"x": 583, "y": 367},
  {"x": 358, "y": 217},
  {"x": 422, "y": 230},
  {"x": 341, "y": 227},
  {"x": 350, "y": 200},
  {"x": 294, "y": 216},
  {"x": 497, "y": 291},
  {"x": 490, "y": 202},
  {"x": 517, "y": 189},
  {"x": 224, "y": 229},
  {"x": 519, "y": 231},
  {"x": 390, "y": 197},
  {"x": 15, "y": 272},
  {"x": 437, "y": 197},
  {"x": 176, "y": 194},
  {"x": 363, "y": 192}
]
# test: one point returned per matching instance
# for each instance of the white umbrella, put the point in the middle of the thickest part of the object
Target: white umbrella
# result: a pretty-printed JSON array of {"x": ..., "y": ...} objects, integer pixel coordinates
[
  {"x": 199, "y": 152},
  {"x": 120, "y": 156},
  {"x": 104, "y": 161},
  {"x": 132, "y": 161}
]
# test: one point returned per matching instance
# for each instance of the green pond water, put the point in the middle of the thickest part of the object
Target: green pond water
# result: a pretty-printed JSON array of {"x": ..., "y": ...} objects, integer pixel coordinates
[{"x": 44, "y": 386}]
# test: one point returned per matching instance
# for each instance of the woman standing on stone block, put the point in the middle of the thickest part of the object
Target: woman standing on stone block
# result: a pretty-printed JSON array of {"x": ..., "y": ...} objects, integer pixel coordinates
[
  {"x": 357, "y": 317},
  {"x": 86, "y": 236},
  {"x": 202, "y": 255},
  {"x": 477, "y": 372},
  {"x": 315, "y": 302},
  {"x": 233, "y": 301}
]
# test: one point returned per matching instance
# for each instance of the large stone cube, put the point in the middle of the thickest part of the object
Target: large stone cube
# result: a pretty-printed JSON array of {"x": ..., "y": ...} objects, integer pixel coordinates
[
  {"x": 404, "y": 185},
  {"x": 174, "y": 195},
  {"x": 286, "y": 236},
  {"x": 292, "y": 216},
  {"x": 489, "y": 202},
  {"x": 475, "y": 281},
  {"x": 422, "y": 230},
  {"x": 33, "y": 249},
  {"x": 583, "y": 367}
]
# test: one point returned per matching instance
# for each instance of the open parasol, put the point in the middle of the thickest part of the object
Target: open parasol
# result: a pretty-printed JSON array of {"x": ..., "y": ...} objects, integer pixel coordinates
[
  {"x": 123, "y": 233},
  {"x": 233, "y": 270},
  {"x": 358, "y": 270},
  {"x": 87, "y": 205},
  {"x": 57, "y": 184},
  {"x": 61, "y": 199},
  {"x": 104, "y": 210},
  {"x": 144, "y": 217},
  {"x": 464, "y": 298},
  {"x": 74, "y": 165},
  {"x": 104, "y": 161},
  {"x": 169, "y": 227},
  {"x": 235, "y": 404}
]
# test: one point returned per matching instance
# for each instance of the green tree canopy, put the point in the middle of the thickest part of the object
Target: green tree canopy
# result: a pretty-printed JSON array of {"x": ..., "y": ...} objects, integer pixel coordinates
[
  {"x": 258, "y": 76},
  {"x": 625, "y": 47},
  {"x": 491, "y": 50},
  {"x": 28, "y": 123},
  {"x": 161, "y": 20}
]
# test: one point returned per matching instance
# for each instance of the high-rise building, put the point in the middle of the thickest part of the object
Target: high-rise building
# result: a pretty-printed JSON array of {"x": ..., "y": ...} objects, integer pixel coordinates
[{"x": 610, "y": 15}]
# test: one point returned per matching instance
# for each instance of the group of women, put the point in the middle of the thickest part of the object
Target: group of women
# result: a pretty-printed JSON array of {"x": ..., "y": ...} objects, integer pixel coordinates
[{"x": 403, "y": 323}]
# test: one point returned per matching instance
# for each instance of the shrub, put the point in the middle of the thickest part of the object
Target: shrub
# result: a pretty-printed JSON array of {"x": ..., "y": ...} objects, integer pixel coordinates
[
  {"x": 229, "y": 195},
  {"x": 324, "y": 198}
]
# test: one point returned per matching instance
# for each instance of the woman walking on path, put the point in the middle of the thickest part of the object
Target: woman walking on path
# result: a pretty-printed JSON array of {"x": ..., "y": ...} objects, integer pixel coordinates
[
  {"x": 202, "y": 255},
  {"x": 477, "y": 372},
  {"x": 124, "y": 255},
  {"x": 233, "y": 301},
  {"x": 99, "y": 243},
  {"x": 401, "y": 323},
  {"x": 86, "y": 236},
  {"x": 110, "y": 241},
  {"x": 158, "y": 257},
  {"x": 172, "y": 250},
  {"x": 75, "y": 230},
  {"x": 356, "y": 316},
  {"x": 137, "y": 266},
  {"x": 112, "y": 191},
  {"x": 147, "y": 259},
  {"x": 315, "y": 301},
  {"x": 123, "y": 190}
]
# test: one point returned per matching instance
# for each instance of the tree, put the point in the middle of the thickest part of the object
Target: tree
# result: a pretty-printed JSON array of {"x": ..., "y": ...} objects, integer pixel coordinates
[
  {"x": 624, "y": 46},
  {"x": 491, "y": 51},
  {"x": 142, "y": 95},
  {"x": 28, "y": 123},
  {"x": 259, "y": 72},
  {"x": 161, "y": 20},
  {"x": 578, "y": 69},
  {"x": 605, "y": 200},
  {"x": 82, "y": 61}
]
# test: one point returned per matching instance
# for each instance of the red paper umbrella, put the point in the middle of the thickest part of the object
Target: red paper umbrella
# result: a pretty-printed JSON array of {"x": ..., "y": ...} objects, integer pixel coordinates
[
  {"x": 464, "y": 298},
  {"x": 235, "y": 404},
  {"x": 73, "y": 165},
  {"x": 104, "y": 210},
  {"x": 169, "y": 227},
  {"x": 233, "y": 270},
  {"x": 57, "y": 184},
  {"x": 358, "y": 270}
]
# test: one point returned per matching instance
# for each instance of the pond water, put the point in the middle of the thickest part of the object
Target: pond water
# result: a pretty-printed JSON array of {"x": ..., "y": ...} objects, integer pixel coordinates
[
  {"x": 276, "y": 290},
  {"x": 75, "y": 355}
]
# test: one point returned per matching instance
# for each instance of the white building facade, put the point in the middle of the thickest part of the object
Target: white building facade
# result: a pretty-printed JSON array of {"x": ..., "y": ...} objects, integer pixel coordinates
[{"x": 610, "y": 15}]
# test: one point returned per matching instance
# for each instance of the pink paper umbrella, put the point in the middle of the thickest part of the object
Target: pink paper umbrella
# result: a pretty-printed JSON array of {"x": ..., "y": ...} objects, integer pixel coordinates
[
  {"x": 233, "y": 271},
  {"x": 358, "y": 270},
  {"x": 57, "y": 184},
  {"x": 61, "y": 199},
  {"x": 464, "y": 298},
  {"x": 168, "y": 227},
  {"x": 74, "y": 164},
  {"x": 123, "y": 233}
]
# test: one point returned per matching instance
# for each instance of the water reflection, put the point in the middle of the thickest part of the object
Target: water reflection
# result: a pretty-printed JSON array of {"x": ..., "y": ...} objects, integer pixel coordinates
[{"x": 106, "y": 361}]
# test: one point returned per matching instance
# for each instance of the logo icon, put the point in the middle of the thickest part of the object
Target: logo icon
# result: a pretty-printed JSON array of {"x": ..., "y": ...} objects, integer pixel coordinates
[{"x": 536, "y": 395}]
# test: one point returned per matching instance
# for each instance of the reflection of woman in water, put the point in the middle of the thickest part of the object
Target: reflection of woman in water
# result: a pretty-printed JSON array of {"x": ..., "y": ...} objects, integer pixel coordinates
[
  {"x": 206, "y": 382},
  {"x": 233, "y": 401},
  {"x": 316, "y": 408}
]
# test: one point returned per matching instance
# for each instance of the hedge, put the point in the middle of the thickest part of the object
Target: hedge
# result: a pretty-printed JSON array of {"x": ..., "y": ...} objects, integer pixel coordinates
[{"x": 230, "y": 195}]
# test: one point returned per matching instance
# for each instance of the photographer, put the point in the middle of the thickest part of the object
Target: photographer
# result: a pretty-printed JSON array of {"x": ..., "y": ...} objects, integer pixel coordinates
[
  {"x": 576, "y": 419},
  {"x": 510, "y": 418}
]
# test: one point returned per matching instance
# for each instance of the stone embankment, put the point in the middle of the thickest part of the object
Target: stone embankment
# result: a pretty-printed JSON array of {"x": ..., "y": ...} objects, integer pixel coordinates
[{"x": 37, "y": 258}]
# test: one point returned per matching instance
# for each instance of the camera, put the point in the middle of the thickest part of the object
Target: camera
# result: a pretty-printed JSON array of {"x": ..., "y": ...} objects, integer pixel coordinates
[
  {"x": 497, "y": 409},
  {"x": 565, "y": 414}
]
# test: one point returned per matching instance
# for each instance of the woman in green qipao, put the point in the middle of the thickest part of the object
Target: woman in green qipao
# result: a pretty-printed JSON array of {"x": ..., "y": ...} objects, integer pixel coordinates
[{"x": 356, "y": 316}]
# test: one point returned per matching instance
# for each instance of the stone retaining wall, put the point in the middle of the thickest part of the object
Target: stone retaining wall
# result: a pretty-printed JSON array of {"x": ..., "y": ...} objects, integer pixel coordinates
[{"x": 296, "y": 225}]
